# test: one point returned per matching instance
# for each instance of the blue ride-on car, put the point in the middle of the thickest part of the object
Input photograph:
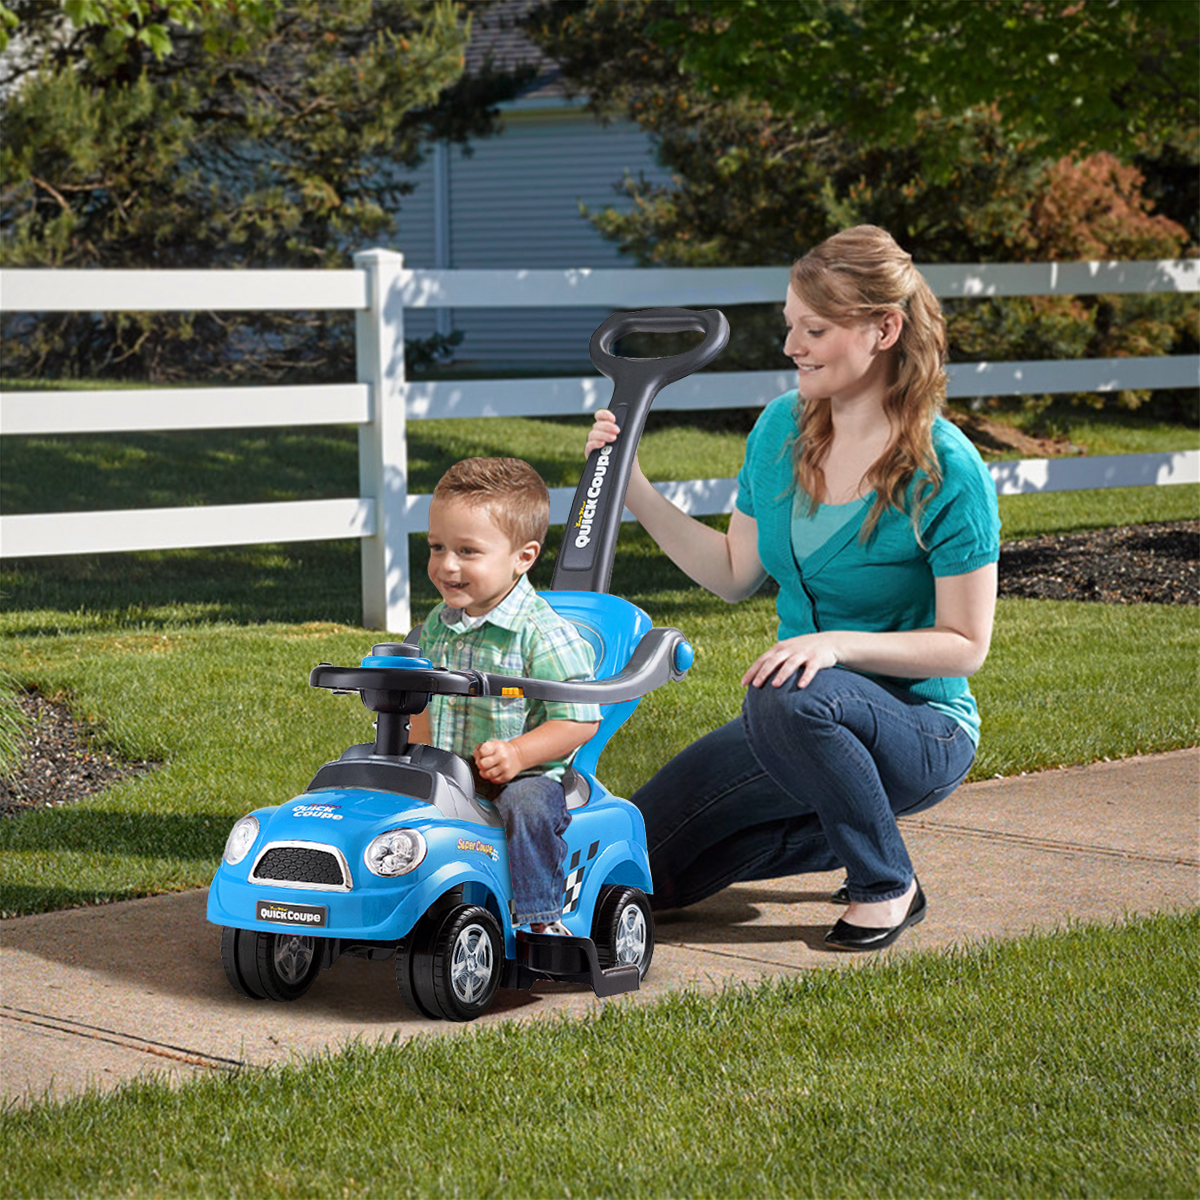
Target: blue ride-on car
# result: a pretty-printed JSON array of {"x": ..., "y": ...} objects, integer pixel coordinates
[{"x": 390, "y": 854}]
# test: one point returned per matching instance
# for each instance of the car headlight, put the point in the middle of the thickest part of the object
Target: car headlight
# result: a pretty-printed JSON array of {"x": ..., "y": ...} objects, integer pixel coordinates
[
  {"x": 241, "y": 838},
  {"x": 395, "y": 853}
]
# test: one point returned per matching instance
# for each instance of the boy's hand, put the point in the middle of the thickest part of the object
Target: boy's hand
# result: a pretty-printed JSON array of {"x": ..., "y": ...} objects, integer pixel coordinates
[{"x": 498, "y": 761}]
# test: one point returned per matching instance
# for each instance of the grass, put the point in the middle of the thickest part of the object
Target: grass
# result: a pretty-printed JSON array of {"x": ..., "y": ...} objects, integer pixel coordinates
[
  {"x": 1059, "y": 1064},
  {"x": 199, "y": 658},
  {"x": 228, "y": 713},
  {"x": 1107, "y": 431},
  {"x": 306, "y": 581},
  {"x": 14, "y": 724}
]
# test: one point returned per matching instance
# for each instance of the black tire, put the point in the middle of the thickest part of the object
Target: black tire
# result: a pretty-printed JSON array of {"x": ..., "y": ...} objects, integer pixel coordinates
[
  {"x": 269, "y": 966},
  {"x": 240, "y": 961},
  {"x": 457, "y": 971},
  {"x": 406, "y": 974},
  {"x": 623, "y": 928},
  {"x": 288, "y": 963}
]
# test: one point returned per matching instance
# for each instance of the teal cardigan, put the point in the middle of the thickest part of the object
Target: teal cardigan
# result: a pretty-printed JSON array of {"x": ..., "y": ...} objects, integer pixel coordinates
[{"x": 887, "y": 582}]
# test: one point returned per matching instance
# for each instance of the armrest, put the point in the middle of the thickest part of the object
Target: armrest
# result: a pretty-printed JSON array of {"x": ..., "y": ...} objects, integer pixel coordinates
[{"x": 661, "y": 656}]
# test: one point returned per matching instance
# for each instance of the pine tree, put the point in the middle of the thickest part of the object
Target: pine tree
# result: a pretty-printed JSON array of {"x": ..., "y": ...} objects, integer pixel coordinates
[{"x": 253, "y": 133}]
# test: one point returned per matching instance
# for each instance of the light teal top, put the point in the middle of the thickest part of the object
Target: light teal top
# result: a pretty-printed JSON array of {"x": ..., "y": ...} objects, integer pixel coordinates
[
  {"x": 887, "y": 582},
  {"x": 811, "y": 531}
]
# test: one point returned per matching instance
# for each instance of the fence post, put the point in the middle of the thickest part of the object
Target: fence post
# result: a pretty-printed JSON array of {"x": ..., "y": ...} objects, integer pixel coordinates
[{"x": 382, "y": 444}]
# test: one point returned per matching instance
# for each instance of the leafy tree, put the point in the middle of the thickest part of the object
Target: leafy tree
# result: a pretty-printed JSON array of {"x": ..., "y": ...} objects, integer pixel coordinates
[
  {"x": 144, "y": 21},
  {"x": 1074, "y": 76},
  {"x": 247, "y": 133},
  {"x": 751, "y": 186}
]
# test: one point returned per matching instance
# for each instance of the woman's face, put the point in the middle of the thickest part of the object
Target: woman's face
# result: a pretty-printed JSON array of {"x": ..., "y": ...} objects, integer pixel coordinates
[{"x": 838, "y": 362}]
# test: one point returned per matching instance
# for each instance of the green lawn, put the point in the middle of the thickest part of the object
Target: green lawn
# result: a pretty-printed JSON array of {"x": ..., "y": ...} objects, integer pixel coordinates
[
  {"x": 199, "y": 658},
  {"x": 1055, "y": 1065},
  {"x": 1061, "y": 1064},
  {"x": 320, "y": 581},
  {"x": 1107, "y": 431}
]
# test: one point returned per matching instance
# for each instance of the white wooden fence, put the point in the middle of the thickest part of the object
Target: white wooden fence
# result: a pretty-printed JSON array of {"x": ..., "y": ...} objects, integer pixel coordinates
[{"x": 379, "y": 290}]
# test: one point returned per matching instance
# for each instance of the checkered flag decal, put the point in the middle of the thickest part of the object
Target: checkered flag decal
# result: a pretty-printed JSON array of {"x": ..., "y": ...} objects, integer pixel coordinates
[{"x": 575, "y": 878}]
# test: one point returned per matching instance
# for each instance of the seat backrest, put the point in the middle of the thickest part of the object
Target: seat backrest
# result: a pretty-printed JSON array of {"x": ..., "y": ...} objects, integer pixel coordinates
[{"x": 613, "y": 627}]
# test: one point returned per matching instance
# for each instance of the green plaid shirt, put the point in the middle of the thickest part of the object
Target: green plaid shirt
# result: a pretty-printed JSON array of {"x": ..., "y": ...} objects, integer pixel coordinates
[{"x": 522, "y": 635}]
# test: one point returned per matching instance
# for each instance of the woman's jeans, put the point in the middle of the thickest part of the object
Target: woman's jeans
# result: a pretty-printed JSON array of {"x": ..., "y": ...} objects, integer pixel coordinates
[
  {"x": 534, "y": 810},
  {"x": 806, "y": 780}
]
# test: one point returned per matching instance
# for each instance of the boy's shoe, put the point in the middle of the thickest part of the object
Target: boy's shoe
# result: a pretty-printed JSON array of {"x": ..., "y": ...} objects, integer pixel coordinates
[{"x": 555, "y": 927}]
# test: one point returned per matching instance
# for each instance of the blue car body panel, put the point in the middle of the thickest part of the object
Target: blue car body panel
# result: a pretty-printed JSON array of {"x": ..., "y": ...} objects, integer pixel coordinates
[
  {"x": 359, "y": 796},
  {"x": 605, "y": 843}
]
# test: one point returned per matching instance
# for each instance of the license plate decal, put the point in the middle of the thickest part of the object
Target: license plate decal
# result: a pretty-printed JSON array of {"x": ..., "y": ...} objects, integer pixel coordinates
[{"x": 313, "y": 916}]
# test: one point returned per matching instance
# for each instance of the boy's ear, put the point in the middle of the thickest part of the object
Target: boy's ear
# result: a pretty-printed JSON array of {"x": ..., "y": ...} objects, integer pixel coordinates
[{"x": 527, "y": 556}]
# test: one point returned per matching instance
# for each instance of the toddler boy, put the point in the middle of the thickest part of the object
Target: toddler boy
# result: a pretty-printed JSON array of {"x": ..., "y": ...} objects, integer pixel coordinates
[{"x": 487, "y": 522}]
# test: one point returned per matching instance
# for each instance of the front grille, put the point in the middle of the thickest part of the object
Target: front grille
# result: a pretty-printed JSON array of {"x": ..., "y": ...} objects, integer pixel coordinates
[{"x": 301, "y": 866}]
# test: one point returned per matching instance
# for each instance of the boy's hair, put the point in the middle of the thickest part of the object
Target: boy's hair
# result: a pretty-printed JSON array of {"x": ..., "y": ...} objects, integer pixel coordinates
[{"x": 511, "y": 491}]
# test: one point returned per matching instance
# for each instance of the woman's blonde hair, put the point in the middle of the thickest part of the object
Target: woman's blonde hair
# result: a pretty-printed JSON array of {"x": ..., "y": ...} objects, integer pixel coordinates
[{"x": 855, "y": 276}]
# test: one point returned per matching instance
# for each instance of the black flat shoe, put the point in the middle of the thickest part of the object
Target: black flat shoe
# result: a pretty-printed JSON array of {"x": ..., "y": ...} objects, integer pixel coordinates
[
  {"x": 860, "y": 937},
  {"x": 841, "y": 896}
]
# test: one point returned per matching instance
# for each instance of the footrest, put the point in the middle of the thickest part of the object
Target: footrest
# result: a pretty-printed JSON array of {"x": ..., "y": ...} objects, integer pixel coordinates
[{"x": 575, "y": 960}]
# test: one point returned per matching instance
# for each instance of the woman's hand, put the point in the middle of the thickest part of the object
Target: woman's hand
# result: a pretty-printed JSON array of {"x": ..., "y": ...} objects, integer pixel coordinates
[
  {"x": 808, "y": 654},
  {"x": 602, "y": 432}
]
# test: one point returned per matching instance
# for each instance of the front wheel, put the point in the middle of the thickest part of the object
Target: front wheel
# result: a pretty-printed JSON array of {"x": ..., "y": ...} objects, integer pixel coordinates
[
  {"x": 272, "y": 966},
  {"x": 452, "y": 964},
  {"x": 623, "y": 929}
]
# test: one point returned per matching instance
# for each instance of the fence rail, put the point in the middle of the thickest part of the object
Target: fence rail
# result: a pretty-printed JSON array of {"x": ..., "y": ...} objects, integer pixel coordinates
[{"x": 379, "y": 290}]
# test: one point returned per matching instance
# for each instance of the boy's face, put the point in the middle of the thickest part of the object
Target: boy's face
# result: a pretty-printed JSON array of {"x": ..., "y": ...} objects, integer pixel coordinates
[{"x": 471, "y": 561}]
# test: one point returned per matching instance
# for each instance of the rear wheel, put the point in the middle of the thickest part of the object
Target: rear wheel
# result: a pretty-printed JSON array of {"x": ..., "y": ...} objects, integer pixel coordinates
[{"x": 623, "y": 929}]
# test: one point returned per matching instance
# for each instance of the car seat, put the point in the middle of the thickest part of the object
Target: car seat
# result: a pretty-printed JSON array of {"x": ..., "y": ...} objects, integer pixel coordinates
[{"x": 612, "y": 627}]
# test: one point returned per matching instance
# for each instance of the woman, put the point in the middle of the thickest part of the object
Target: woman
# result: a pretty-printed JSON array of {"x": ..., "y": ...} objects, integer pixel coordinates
[{"x": 878, "y": 521}]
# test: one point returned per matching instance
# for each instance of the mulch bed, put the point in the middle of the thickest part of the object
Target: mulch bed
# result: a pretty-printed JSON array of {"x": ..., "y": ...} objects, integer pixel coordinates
[
  {"x": 63, "y": 760},
  {"x": 1140, "y": 564},
  {"x": 1143, "y": 564}
]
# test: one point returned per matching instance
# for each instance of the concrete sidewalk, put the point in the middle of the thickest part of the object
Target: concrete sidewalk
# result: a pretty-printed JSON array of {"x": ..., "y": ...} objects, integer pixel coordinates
[{"x": 97, "y": 996}]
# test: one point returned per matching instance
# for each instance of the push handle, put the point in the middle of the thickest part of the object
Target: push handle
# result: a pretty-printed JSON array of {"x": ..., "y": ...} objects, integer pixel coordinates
[{"x": 589, "y": 544}]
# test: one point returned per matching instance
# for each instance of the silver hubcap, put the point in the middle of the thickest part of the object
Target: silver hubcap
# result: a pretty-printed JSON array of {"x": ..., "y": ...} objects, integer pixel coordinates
[
  {"x": 293, "y": 956},
  {"x": 472, "y": 964},
  {"x": 631, "y": 935}
]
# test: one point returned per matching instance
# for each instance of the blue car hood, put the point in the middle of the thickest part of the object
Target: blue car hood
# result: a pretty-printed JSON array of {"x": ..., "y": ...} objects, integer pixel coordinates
[{"x": 316, "y": 815}]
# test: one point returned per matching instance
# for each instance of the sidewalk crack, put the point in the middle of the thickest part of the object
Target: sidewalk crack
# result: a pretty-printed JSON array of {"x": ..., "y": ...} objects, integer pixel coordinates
[
  {"x": 114, "y": 1037},
  {"x": 1044, "y": 843}
]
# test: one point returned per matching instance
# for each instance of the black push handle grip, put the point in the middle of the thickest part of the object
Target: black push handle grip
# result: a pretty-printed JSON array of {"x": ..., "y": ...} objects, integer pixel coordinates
[
  {"x": 589, "y": 544},
  {"x": 661, "y": 371}
]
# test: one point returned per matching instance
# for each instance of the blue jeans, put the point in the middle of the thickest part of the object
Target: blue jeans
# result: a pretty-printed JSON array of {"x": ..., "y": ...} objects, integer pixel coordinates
[
  {"x": 806, "y": 780},
  {"x": 534, "y": 810}
]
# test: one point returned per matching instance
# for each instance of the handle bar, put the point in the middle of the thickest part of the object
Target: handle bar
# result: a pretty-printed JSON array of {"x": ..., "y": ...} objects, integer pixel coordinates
[
  {"x": 656, "y": 660},
  {"x": 589, "y": 545}
]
